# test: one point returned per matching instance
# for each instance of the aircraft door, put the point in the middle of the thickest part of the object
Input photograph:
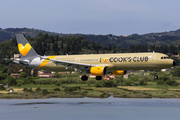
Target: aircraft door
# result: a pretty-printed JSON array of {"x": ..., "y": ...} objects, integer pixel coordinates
[
  {"x": 77, "y": 60},
  {"x": 153, "y": 58}
]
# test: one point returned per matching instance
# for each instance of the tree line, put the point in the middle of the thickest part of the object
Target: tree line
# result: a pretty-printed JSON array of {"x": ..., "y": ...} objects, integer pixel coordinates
[{"x": 45, "y": 44}]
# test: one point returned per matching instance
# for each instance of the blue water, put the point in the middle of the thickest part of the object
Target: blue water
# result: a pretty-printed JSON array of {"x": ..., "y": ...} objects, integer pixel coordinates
[{"x": 90, "y": 109}]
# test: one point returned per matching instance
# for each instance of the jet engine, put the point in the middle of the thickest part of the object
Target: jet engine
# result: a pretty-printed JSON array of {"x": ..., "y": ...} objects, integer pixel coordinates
[
  {"x": 98, "y": 71},
  {"x": 119, "y": 72}
]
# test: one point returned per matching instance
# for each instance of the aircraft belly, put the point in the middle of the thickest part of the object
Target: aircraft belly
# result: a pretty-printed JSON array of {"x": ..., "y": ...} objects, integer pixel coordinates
[
  {"x": 58, "y": 68},
  {"x": 135, "y": 66}
]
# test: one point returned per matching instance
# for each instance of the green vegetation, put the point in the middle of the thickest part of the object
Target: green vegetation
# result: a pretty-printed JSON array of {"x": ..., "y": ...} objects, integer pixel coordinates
[
  {"x": 107, "y": 83},
  {"x": 2, "y": 88},
  {"x": 23, "y": 75},
  {"x": 56, "y": 89},
  {"x": 176, "y": 72},
  {"x": 70, "y": 86}
]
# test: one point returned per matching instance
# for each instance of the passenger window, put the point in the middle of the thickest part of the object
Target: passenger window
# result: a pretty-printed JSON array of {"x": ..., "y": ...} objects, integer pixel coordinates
[
  {"x": 161, "y": 57},
  {"x": 164, "y": 57}
]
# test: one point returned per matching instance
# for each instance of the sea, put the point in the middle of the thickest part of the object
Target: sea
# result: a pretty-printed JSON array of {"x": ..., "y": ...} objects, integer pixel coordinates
[{"x": 90, "y": 109}]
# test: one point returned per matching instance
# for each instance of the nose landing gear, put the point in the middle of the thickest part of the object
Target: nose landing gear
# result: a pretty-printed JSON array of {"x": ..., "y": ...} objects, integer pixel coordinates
[{"x": 155, "y": 75}]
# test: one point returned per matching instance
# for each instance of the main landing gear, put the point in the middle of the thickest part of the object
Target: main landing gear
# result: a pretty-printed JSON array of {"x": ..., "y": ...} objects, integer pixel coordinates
[
  {"x": 98, "y": 77},
  {"x": 84, "y": 78}
]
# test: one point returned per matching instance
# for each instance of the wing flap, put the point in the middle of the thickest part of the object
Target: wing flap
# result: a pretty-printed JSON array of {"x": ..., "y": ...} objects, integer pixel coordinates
[{"x": 66, "y": 63}]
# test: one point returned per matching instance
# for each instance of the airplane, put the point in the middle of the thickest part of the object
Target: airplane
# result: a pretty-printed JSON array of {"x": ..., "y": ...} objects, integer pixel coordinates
[{"x": 96, "y": 64}]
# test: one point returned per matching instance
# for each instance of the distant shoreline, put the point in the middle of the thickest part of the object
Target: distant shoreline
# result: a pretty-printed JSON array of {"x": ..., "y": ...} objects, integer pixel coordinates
[{"x": 93, "y": 92}]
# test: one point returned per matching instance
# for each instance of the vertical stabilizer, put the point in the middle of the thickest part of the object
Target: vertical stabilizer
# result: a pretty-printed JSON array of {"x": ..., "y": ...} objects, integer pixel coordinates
[{"x": 25, "y": 49}]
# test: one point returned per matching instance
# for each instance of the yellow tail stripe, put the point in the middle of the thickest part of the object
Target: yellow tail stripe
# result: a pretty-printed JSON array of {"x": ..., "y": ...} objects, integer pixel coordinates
[{"x": 45, "y": 62}]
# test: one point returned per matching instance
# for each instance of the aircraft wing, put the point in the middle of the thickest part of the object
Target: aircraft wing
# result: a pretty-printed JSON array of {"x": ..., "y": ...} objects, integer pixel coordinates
[{"x": 78, "y": 66}]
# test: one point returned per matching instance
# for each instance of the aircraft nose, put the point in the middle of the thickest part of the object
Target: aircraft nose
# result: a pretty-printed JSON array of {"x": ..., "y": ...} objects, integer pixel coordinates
[{"x": 174, "y": 63}]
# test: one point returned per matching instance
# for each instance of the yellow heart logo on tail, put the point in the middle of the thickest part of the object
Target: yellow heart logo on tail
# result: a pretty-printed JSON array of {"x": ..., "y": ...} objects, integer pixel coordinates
[
  {"x": 24, "y": 49},
  {"x": 105, "y": 60}
]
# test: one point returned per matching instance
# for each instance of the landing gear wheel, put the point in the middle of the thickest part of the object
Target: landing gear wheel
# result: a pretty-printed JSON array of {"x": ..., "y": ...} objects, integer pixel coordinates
[
  {"x": 98, "y": 77},
  {"x": 84, "y": 78},
  {"x": 155, "y": 77}
]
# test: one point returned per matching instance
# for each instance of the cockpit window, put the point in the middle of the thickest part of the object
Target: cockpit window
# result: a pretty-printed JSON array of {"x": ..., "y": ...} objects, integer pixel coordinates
[{"x": 165, "y": 57}]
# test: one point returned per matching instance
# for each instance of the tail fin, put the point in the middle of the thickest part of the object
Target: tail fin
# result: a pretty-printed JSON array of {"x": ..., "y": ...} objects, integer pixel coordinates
[{"x": 24, "y": 47}]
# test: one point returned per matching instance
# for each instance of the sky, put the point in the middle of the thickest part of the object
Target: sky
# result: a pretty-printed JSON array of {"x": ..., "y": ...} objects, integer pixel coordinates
[{"x": 117, "y": 17}]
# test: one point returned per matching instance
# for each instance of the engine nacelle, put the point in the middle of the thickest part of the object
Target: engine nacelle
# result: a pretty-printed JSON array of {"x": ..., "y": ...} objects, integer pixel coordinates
[
  {"x": 119, "y": 72},
  {"x": 98, "y": 71}
]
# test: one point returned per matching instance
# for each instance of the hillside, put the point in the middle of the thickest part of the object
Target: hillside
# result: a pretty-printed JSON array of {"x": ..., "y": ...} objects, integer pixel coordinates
[
  {"x": 164, "y": 38},
  {"x": 9, "y": 33}
]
